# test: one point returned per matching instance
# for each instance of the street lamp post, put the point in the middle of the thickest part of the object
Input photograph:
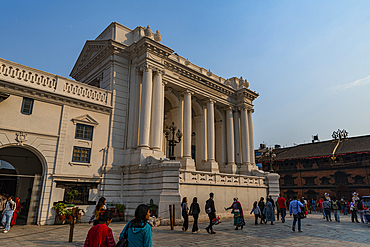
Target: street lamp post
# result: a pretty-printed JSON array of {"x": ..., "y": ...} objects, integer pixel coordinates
[{"x": 171, "y": 141}]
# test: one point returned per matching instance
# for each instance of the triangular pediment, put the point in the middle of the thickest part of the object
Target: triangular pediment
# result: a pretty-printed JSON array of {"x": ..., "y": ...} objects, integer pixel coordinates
[
  {"x": 91, "y": 49},
  {"x": 85, "y": 119}
]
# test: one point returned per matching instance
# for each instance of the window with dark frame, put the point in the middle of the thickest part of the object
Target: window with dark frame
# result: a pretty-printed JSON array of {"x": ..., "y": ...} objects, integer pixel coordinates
[
  {"x": 310, "y": 181},
  {"x": 81, "y": 154},
  {"x": 84, "y": 132},
  {"x": 83, "y": 188},
  {"x": 27, "y": 105}
]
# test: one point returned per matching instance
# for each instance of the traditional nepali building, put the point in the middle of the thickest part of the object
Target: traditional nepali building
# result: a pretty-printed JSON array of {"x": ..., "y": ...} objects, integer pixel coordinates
[
  {"x": 103, "y": 134},
  {"x": 309, "y": 170}
]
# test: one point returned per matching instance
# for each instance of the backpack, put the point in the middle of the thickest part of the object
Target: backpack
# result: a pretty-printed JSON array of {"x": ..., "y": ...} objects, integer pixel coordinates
[
  {"x": 335, "y": 205},
  {"x": 208, "y": 208}
]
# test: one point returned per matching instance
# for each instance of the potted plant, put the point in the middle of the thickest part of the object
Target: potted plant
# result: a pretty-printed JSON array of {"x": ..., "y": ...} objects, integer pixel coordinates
[
  {"x": 69, "y": 214},
  {"x": 60, "y": 209},
  {"x": 71, "y": 195},
  {"x": 62, "y": 214},
  {"x": 121, "y": 209},
  {"x": 153, "y": 209}
]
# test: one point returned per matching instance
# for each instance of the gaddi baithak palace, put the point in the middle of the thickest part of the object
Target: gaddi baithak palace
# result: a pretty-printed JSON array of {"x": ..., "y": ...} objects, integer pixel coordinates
[{"x": 103, "y": 133}]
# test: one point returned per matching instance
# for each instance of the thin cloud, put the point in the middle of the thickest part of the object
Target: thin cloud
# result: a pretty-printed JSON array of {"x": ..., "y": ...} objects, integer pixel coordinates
[{"x": 358, "y": 82}]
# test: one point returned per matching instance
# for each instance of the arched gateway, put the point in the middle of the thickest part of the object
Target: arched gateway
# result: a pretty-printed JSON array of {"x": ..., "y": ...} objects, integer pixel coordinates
[{"x": 29, "y": 165}]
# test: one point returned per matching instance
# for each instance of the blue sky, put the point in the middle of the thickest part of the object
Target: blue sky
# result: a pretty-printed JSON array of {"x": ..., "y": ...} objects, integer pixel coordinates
[{"x": 308, "y": 60}]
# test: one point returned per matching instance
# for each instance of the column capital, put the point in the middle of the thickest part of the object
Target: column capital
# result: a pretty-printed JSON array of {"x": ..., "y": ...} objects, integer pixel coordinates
[
  {"x": 145, "y": 67},
  {"x": 157, "y": 70},
  {"x": 206, "y": 101},
  {"x": 229, "y": 107},
  {"x": 244, "y": 107},
  {"x": 186, "y": 91}
]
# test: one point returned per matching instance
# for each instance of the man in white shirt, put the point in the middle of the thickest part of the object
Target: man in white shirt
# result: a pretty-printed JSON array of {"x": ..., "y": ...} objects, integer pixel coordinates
[{"x": 8, "y": 214}]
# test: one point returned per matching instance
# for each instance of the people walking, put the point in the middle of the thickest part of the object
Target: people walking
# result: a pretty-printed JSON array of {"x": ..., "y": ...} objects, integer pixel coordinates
[
  {"x": 195, "y": 211},
  {"x": 211, "y": 211},
  {"x": 282, "y": 207},
  {"x": 8, "y": 213},
  {"x": 268, "y": 211},
  {"x": 139, "y": 232},
  {"x": 16, "y": 211},
  {"x": 257, "y": 212},
  {"x": 335, "y": 205},
  {"x": 295, "y": 208},
  {"x": 261, "y": 205},
  {"x": 321, "y": 208},
  {"x": 100, "y": 234},
  {"x": 353, "y": 208},
  {"x": 326, "y": 206},
  {"x": 2, "y": 205},
  {"x": 313, "y": 205},
  {"x": 237, "y": 210},
  {"x": 185, "y": 214},
  {"x": 360, "y": 208},
  {"x": 98, "y": 209},
  {"x": 344, "y": 205}
]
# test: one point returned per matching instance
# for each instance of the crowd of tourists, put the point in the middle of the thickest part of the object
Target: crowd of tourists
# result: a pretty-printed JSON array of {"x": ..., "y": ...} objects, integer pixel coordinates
[
  {"x": 139, "y": 233},
  {"x": 9, "y": 209}
]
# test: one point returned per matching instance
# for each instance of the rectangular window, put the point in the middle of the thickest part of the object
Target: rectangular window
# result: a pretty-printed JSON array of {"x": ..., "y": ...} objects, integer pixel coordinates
[
  {"x": 27, "y": 106},
  {"x": 84, "y": 132},
  {"x": 82, "y": 188},
  {"x": 81, "y": 155}
]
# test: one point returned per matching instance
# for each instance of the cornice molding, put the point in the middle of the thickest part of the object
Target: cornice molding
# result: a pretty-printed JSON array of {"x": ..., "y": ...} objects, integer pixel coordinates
[{"x": 198, "y": 77}]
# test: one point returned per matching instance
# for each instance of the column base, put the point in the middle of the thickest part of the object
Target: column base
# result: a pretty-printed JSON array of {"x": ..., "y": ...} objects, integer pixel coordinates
[
  {"x": 230, "y": 168},
  {"x": 187, "y": 164},
  {"x": 247, "y": 168},
  {"x": 209, "y": 166}
]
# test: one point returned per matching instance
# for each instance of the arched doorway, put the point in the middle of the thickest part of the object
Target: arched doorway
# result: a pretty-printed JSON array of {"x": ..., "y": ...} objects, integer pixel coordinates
[{"x": 27, "y": 173}]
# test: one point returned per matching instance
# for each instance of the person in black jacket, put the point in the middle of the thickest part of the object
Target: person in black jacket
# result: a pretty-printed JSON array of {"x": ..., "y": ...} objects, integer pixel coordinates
[
  {"x": 194, "y": 211},
  {"x": 211, "y": 211}
]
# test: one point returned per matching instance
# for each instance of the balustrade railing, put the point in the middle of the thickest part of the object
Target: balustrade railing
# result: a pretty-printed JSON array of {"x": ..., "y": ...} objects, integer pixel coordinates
[{"x": 40, "y": 80}]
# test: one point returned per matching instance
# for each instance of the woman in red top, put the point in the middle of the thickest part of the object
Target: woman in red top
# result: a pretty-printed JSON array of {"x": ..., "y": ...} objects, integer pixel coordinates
[
  {"x": 101, "y": 235},
  {"x": 16, "y": 211}
]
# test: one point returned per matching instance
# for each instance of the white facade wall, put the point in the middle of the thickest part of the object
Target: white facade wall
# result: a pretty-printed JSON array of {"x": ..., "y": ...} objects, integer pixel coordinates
[{"x": 125, "y": 64}]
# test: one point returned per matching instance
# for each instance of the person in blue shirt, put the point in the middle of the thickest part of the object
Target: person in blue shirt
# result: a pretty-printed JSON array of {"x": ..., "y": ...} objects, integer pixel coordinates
[
  {"x": 139, "y": 232},
  {"x": 294, "y": 208}
]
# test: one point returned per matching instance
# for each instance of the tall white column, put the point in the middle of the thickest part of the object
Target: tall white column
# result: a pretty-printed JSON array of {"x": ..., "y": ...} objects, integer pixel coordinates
[
  {"x": 204, "y": 134},
  {"x": 210, "y": 165},
  {"x": 157, "y": 111},
  {"x": 211, "y": 130},
  {"x": 187, "y": 162},
  {"x": 246, "y": 166},
  {"x": 187, "y": 124},
  {"x": 145, "y": 107},
  {"x": 245, "y": 135},
  {"x": 238, "y": 154},
  {"x": 230, "y": 136},
  {"x": 251, "y": 137},
  {"x": 162, "y": 117}
]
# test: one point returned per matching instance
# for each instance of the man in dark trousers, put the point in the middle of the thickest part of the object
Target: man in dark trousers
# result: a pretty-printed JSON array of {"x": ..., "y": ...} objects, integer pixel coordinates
[{"x": 211, "y": 211}]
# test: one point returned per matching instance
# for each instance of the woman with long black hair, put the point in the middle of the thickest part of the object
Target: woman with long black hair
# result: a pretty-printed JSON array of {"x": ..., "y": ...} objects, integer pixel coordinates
[
  {"x": 185, "y": 214},
  {"x": 194, "y": 211},
  {"x": 100, "y": 234},
  {"x": 139, "y": 232},
  {"x": 100, "y": 207}
]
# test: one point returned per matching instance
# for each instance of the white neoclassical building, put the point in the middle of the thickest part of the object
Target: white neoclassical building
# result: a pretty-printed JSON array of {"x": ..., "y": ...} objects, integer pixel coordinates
[{"x": 104, "y": 133}]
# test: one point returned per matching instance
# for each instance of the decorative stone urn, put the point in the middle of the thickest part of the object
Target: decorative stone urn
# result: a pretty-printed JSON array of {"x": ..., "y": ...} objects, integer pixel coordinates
[
  {"x": 148, "y": 32},
  {"x": 157, "y": 36}
]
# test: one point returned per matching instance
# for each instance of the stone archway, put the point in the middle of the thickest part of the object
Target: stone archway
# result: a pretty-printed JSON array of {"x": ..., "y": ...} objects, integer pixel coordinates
[{"x": 29, "y": 166}]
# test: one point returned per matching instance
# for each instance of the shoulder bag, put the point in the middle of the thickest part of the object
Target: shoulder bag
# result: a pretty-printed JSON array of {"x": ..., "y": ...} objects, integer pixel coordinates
[
  {"x": 124, "y": 241},
  {"x": 300, "y": 215}
]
